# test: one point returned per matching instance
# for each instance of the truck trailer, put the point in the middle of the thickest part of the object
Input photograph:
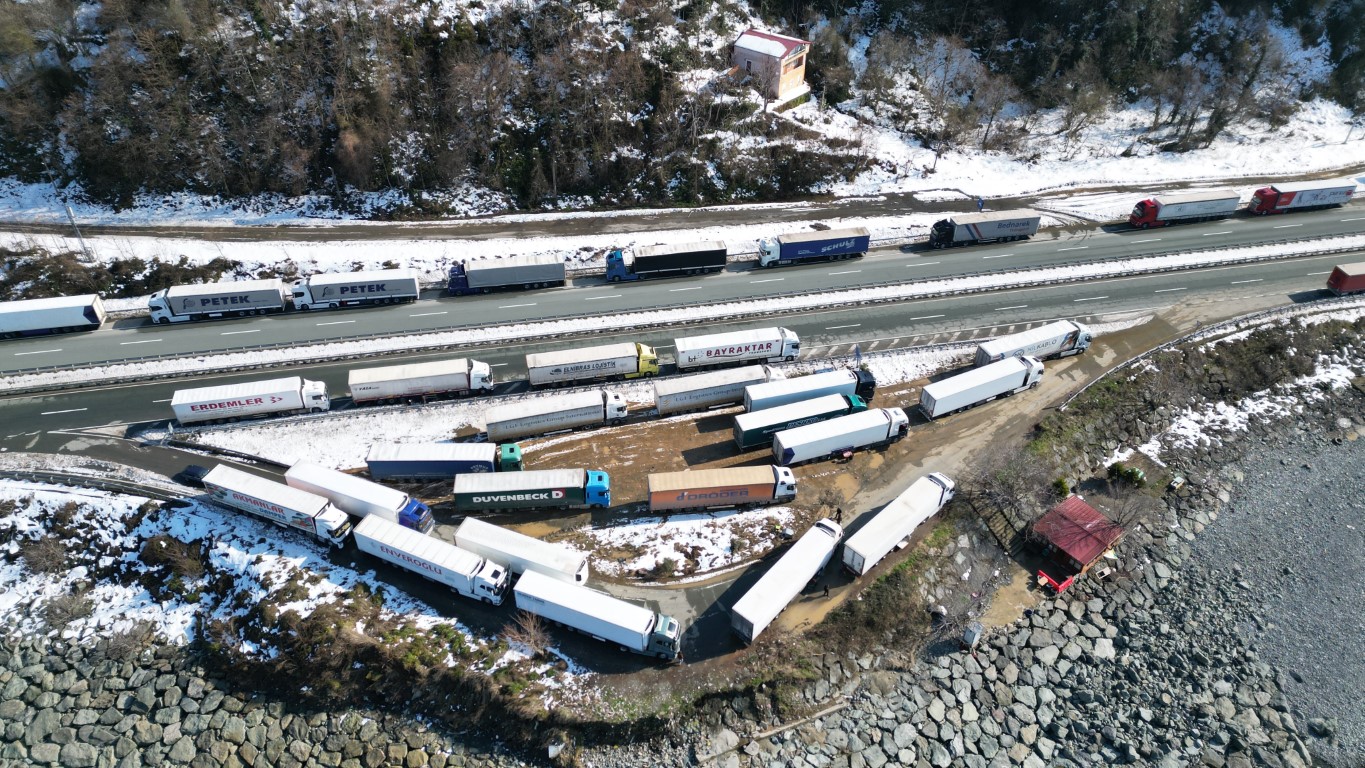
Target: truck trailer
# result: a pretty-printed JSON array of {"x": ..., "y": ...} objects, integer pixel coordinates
[
  {"x": 830, "y": 245},
  {"x": 844, "y": 435},
  {"x": 521, "y": 553},
  {"x": 278, "y": 503},
  {"x": 419, "y": 381},
  {"x": 666, "y": 260},
  {"x": 1347, "y": 279},
  {"x": 552, "y": 414},
  {"x": 359, "y": 497},
  {"x": 679, "y": 394},
  {"x": 182, "y": 303},
  {"x": 1301, "y": 196},
  {"x": 626, "y": 360},
  {"x": 841, "y": 382},
  {"x": 1163, "y": 210},
  {"x": 331, "y": 290},
  {"x": 430, "y": 462},
  {"x": 444, "y": 563},
  {"x": 896, "y": 522},
  {"x": 1060, "y": 339},
  {"x": 980, "y": 385},
  {"x": 599, "y": 615},
  {"x": 732, "y": 487},
  {"x": 991, "y": 226},
  {"x": 767, "y": 598},
  {"x": 533, "y": 489},
  {"x": 762, "y": 345},
  {"x": 754, "y": 430},
  {"x": 59, "y": 314},
  {"x": 272, "y": 397},
  {"x": 520, "y": 272}
]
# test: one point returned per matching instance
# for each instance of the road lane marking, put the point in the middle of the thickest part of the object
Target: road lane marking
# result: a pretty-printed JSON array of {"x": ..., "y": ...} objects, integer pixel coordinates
[
  {"x": 769, "y": 280},
  {"x": 599, "y": 298},
  {"x": 1167, "y": 290},
  {"x": 1018, "y": 306},
  {"x": 496, "y": 365},
  {"x": 999, "y": 256},
  {"x": 1076, "y": 248},
  {"x": 1148, "y": 240},
  {"x": 1315, "y": 274},
  {"x": 338, "y": 322},
  {"x": 926, "y": 317},
  {"x": 167, "y": 400},
  {"x": 693, "y": 288},
  {"x": 847, "y": 272},
  {"x": 1211, "y": 234},
  {"x": 514, "y": 306},
  {"x": 1239, "y": 282},
  {"x": 429, "y": 314},
  {"x": 1358, "y": 218},
  {"x": 234, "y": 333},
  {"x": 837, "y": 327},
  {"x": 1092, "y": 298},
  {"x": 924, "y": 264},
  {"x": 144, "y": 341},
  {"x": 36, "y": 352},
  {"x": 68, "y": 410},
  {"x": 1287, "y": 226}
]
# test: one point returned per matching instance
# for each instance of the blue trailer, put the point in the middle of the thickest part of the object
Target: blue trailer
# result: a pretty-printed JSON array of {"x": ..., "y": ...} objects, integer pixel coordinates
[
  {"x": 428, "y": 462},
  {"x": 830, "y": 245}
]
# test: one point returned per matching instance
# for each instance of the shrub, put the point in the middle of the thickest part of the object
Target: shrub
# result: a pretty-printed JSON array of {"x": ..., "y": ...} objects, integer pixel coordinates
[
  {"x": 61, "y": 611},
  {"x": 44, "y": 555},
  {"x": 184, "y": 559},
  {"x": 664, "y": 569},
  {"x": 1061, "y": 487}
]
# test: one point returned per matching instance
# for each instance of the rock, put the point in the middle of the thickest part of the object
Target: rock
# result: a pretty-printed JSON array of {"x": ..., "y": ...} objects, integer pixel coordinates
[
  {"x": 938, "y": 756},
  {"x": 937, "y": 710},
  {"x": 183, "y": 750},
  {"x": 45, "y": 753},
  {"x": 1047, "y": 655},
  {"x": 78, "y": 755},
  {"x": 1103, "y": 649}
]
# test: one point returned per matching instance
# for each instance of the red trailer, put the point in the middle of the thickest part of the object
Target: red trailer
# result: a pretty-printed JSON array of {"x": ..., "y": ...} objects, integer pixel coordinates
[{"x": 1347, "y": 279}]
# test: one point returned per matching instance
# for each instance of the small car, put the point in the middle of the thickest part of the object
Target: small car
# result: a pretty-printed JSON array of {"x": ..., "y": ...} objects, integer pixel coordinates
[{"x": 192, "y": 475}]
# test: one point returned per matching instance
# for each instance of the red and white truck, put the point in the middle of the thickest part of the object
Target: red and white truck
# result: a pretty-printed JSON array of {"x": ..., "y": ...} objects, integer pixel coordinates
[
  {"x": 1161, "y": 210},
  {"x": 1347, "y": 279},
  {"x": 253, "y": 398},
  {"x": 1301, "y": 196},
  {"x": 280, "y": 504}
]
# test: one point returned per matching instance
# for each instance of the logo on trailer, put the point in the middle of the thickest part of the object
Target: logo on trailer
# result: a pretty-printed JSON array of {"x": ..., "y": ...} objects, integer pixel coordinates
[
  {"x": 741, "y": 349},
  {"x": 225, "y": 301},
  {"x": 232, "y": 404},
  {"x": 729, "y": 493},
  {"x": 496, "y": 498}
]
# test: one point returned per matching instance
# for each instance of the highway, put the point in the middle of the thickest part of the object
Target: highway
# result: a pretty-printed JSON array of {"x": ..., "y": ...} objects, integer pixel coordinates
[{"x": 135, "y": 338}]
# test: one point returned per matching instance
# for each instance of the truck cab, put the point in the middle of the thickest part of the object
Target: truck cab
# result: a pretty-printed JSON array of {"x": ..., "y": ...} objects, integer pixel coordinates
[
  {"x": 159, "y": 307},
  {"x": 665, "y": 638},
  {"x": 597, "y": 489},
  {"x": 333, "y": 525},
  {"x": 614, "y": 407},
  {"x": 314, "y": 395},
  {"x": 480, "y": 377},
  {"x": 490, "y": 583},
  {"x": 941, "y": 234},
  {"x": 791, "y": 344},
  {"x": 618, "y": 267},
  {"x": 458, "y": 282},
  {"x": 649, "y": 362},
  {"x": 1144, "y": 215},
  {"x": 945, "y": 484},
  {"x": 509, "y": 457},
  {"x": 417, "y": 516},
  {"x": 785, "y": 488},
  {"x": 865, "y": 385}
]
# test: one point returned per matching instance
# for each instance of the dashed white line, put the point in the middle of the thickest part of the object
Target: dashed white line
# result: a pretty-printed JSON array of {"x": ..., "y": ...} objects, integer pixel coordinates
[
  {"x": 144, "y": 341},
  {"x": 338, "y": 322},
  {"x": 1092, "y": 298},
  {"x": 1167, "y": 290},
  {"x": 496, "y": 365},
  {"x": 167, "y": 400},
  {"x": 998, "y": 256},
  {"x": 769, "y": 280},
  {"x": 1017, "y": 306},
  {"x": 924, "y": 264},
  {"x": 1315, "y": 274},
  {"x": 1074, "y": 248},
  {"x": 679, "y": 290},
  {"x": 36, "y": 352},
  {"x": 599, "y": 298},
  {"x": 847, "y": 272},
  {"x": 837, "y": 327},
  {"x": 926, "y": 317},
  {"x": 1211, "y": 234},
  {"x": 234, "y": 333},
  {"x": 68, "y": 410},
  {"x": 429, "y": 314},
  {"x": 1239, "y": 282},
  {"x": 514, "y": 306},
  {"x": 1287, "y": 226},
  {"x": 1358, "y": 218},
  {"x": 1148, "y": 240}
]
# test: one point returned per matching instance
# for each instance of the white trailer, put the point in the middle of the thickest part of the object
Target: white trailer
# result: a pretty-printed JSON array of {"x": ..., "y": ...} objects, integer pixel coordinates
[
  {"x": 444, "y": 563},
  {"x": 59, "y": 314},
  {"x": 767, "y": 345},
  {"x": 896, "y": 522},
  {"x": 182, "y": 303},
  {"x": 971, "y": 228},
  {"x": 353, "y": 289},
  {"x": 419, "y": 380},
  {"x": 522, "y": 553},
  {"x": 253, "y": 398},
  {"x": 360, "y": 497},
  {"x": 1161, "y": 210},
  {"x": 599, "y": 615},
  {"x": 841, "y": 382},
  {"x": 278, "y": 503},
  {"x": 767, "y": 598},
  {"x": 1060, "y": 339},
  {"x": 626, "y": 360},
  {"x": 537, "y": 416},
  {"x": 875, "y": 426},
  {"x": 980, "y": 385},
  {"x": 678, "y": 394},
  {"x": 1302, "y": 196}
]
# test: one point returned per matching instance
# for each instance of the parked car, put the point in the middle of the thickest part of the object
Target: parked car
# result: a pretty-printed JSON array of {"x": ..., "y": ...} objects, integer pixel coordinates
[{"x": 192, "y": 475}]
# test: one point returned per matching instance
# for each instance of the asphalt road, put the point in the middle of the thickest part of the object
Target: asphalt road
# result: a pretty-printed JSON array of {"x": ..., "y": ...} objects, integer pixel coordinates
[{"x": 137, "y": 338}]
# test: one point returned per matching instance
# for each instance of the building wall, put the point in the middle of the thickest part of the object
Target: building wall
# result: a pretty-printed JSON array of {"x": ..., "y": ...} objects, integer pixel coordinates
[{"x": 771, "y": 77}]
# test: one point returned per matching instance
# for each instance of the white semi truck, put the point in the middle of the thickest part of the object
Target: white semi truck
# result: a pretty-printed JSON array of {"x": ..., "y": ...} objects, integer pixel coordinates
[
  {"x": 599, "y": 615},
  {"x": 896, "y": 522},
  {"x": 360, "y": 497},
  {"x": 444, "y": 563},
  {"x": 182, "y": 303},
  {"x": 1161, "y": 210},
  {"x": 59, "y": 314},
  {"x": 331, "y": 290},
  {"x": 767, "y": 598},
  {"x": 841, "y": 382},
  {"x": 980, "y": 385},
  {"x": 1060, "y": 339},
  {"x": 761, "y": 345},
  {"x": 552, "y": 414},
  {"x": 989, "y": 226},
  {"x": 846, "y": 434},
  {"x": 253, "y": 398},
  {"x": 679, "y": 394},
  {"x": 278, "y": 503},
  {"x": 521, "y": 553},
  {"x": 626, "y": 360},
  {"x": 419, "y": 381}
]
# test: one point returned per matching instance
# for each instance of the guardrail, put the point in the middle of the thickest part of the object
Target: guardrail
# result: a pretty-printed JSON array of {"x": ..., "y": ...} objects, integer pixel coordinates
[
  {"x": 54, "y": 477},
  {"x": 833, "y": 300}
]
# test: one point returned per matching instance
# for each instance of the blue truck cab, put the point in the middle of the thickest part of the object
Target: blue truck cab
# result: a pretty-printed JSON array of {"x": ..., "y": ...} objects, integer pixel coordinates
[
  {"x": 597, "y": 489},
  {"x": 417, "y": 516},
  {"x": 617, "y": 269}
]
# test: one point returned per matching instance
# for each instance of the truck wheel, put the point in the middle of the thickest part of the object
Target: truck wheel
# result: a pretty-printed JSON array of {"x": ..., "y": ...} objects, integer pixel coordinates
[
  {"x": 615, "y": 279},
  {"x": 304, "y": 307},
  {"x": 162, "y": 320}
]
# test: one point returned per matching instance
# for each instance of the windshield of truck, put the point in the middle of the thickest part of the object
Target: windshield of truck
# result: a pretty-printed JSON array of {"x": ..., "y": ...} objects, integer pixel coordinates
[
  {"x": 1140, "y": 209},
  {"x": 671, "y": 628}
]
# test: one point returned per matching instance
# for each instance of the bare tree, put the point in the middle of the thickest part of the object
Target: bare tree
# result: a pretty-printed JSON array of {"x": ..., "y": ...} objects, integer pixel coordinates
[
  {"x": 529, "y": 630},
  {"x": 1011, "y": 481}
]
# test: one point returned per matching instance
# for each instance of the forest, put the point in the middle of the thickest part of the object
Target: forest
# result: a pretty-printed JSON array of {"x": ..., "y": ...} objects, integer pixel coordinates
[{"x": 622, "y": 104}]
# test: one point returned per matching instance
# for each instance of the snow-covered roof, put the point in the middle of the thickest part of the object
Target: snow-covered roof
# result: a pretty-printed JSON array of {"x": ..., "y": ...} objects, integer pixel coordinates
[{"x": 769, "y": 43}]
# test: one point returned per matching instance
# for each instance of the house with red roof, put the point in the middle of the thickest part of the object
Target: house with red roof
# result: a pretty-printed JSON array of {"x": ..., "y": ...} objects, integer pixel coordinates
[
  {"x": 1074, "y": 536},
  {"x": 776, "y": 64}
]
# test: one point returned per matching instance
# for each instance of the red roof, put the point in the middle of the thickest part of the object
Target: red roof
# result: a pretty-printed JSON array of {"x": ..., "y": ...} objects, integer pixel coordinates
[
  {"x": 756, "y": 39},
  {"x": 1078, "y": 529}
]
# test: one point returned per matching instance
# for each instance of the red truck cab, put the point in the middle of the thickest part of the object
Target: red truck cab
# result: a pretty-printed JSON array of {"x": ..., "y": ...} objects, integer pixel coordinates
[
  {"x": 1347, "y": 279},
  {"x": 1144, "y": 215}
]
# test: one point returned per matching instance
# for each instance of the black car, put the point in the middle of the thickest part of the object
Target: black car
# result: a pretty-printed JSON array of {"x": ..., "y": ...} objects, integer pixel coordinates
[{"x": 192, "y": 475}]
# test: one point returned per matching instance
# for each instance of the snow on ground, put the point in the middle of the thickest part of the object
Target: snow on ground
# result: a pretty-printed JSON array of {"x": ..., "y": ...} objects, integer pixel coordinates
[{"x": 713, "y": 541}]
